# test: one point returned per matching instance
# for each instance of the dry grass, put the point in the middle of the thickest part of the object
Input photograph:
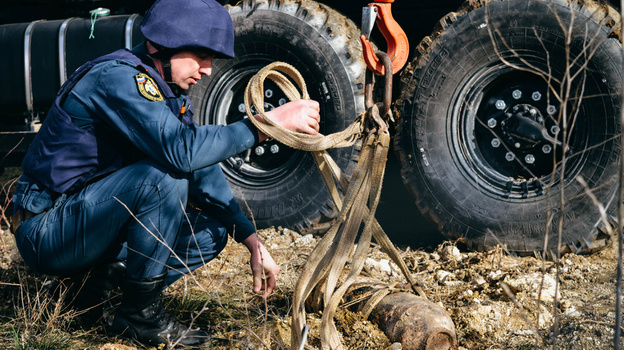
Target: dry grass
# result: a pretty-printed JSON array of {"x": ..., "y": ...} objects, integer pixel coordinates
[{"x": 217, "y": 298}]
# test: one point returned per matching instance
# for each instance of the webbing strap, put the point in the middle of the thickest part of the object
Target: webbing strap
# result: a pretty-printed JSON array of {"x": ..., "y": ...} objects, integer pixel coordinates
[
  {"x": 327, "y": 261},
  {"x": 254, "y": 95}
]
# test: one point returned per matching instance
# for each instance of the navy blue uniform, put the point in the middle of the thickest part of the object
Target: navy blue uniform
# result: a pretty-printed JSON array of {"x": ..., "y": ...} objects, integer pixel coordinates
[{"x": 147, "y": 162}]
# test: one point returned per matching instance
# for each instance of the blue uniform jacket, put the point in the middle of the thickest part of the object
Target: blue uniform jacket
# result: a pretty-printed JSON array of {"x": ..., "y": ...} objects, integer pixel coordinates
[{"x": 110, "y": 97}]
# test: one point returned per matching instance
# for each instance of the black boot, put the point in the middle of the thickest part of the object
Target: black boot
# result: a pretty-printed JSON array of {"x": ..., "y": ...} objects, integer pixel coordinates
[
  {"x": 92, "y": 293},
  {"x": 142, "y": 317}
]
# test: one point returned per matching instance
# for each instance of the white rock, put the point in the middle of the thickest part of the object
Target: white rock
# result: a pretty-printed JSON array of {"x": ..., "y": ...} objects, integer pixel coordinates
[
  {"x": 524, "y": 332},
  {"x": 495, "y": 275},
  {"x": 442, "y": 276},
  {"x": 530, "y": 283},
  {"x": 451, "y": 253},
  {"x": 453, "y": 283},
  {"x": 371, "y": 264},
  {"x": 305, "y": 240},
  {"x": 495, "y": 315},
  {"x": 572, "y": 312},
  {"x": 479, "y": 280},
  {"x": 384, "y": 265}
]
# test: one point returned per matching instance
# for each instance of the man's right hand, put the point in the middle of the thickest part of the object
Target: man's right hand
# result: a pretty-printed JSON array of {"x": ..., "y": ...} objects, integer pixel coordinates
[{"x": 298, "y": 116}]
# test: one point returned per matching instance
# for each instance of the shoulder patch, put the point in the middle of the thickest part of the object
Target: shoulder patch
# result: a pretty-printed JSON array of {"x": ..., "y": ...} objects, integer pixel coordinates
[{"x": 147, "y": 87}]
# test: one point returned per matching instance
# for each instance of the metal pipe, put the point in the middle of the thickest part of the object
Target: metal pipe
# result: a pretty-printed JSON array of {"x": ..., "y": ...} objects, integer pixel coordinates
[
  {"x": 27, "y": 68},
  {"x": 61, "y": 50},
  {"x": 128, "y": 31}
]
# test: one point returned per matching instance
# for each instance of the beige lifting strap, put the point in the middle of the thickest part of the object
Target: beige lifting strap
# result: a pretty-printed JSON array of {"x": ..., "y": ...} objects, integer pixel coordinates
[{"x": 327, "y": 262}]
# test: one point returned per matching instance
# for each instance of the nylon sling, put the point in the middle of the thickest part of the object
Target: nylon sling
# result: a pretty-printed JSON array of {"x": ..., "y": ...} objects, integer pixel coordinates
[{"x": 326, "y": 263}]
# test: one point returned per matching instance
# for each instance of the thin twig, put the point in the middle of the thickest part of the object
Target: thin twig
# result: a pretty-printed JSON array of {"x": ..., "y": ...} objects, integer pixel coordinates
[{"x": 618, "y": 284}]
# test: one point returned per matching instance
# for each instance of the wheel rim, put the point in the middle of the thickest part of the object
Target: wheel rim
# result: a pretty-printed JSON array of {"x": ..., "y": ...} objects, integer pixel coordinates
[
  {"x": 508, "y": 136},
  {"x": 268, "y": 162}
]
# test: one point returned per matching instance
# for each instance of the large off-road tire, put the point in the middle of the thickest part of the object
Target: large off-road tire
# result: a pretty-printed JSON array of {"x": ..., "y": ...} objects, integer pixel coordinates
[
  {"x": 279, "y": 185},
  {"x": 481, "y": 130}
]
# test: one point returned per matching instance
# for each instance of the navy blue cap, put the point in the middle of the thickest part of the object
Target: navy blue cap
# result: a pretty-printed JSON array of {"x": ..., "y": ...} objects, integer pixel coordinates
[{"x": 190, "y": 24}]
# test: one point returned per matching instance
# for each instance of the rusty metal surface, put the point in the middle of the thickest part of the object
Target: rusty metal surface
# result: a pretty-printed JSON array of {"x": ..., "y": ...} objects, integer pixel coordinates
[{"x": 415, "y": 322}]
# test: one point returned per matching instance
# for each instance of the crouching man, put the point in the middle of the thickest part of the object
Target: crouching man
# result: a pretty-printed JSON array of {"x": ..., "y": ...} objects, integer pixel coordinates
[{"x": 109, "y": 180}]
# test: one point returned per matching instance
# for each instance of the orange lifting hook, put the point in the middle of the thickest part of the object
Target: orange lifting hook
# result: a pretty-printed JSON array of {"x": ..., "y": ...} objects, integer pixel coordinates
[{"x": 398, "y": 45}]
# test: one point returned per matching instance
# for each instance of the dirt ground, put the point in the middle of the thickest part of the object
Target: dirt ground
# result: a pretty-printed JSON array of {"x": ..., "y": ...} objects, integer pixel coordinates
[
  {"x": 469, "y": 285},
  {"x": 578, "y": 313}
]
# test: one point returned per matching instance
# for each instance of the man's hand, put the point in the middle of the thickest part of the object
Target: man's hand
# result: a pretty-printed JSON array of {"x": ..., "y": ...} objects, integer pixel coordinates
[
  {"x": 298, "y": 116},
  {"x": 263, "y": 267}
]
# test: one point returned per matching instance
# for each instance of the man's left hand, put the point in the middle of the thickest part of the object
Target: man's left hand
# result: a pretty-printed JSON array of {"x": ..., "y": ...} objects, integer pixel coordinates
[{"x": 263, "y": 267}]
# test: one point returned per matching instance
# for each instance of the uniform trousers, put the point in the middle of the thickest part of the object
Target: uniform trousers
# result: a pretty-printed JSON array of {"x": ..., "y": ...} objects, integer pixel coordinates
[{"x": 137, "y": 214}]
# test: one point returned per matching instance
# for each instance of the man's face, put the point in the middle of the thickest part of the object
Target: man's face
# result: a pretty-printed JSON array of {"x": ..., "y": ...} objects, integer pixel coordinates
[{"x": 188, "y": 67}]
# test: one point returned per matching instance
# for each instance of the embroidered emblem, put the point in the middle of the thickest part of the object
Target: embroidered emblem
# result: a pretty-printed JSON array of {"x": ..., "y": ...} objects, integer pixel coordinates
[{"x": 147, "y": 87}]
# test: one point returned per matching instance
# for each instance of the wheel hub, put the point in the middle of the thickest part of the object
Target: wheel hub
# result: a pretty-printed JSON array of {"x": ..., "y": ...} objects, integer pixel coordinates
[
  {"x": 269, "y": 161},
  {"x": 516, "y": 131},
  {"x": 523, "y": 128}
]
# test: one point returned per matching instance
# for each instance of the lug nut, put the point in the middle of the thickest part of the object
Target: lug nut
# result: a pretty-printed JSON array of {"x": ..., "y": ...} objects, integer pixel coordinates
[
  {"x": 530, "y": 159},
  {"x": 500, "y": 104},
  {"x": 274, "y": 149},
  {"x": 509, "y": 156},
  {"x": 551, "y": 109},
  {"x": 546, "y": 149},
  {"x": 241, "y": 108},
  {"x": 536, "y": 96},
  {"x": 495, "y": 143},
  {"x": 533, "y": 112},
  {"x": 554, "y": 129},
  {"x": 516, "y": 94},
  {"x": 282, "y": 101},
  {"x": 268, "y": 93},
  {"x": 259, "y": 150},
  {"x": 492, "y": 122}
]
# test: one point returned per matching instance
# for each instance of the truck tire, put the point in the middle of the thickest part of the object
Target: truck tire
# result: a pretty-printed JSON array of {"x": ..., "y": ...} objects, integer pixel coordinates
[
  {"x": 481, "y": 129},
  {"x": 274, "y": 184}
]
